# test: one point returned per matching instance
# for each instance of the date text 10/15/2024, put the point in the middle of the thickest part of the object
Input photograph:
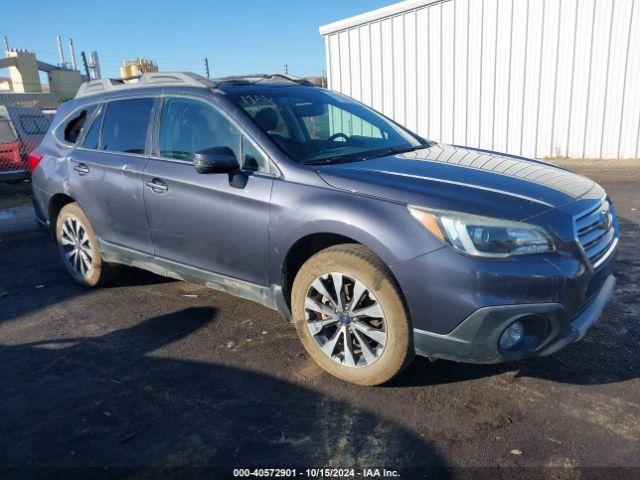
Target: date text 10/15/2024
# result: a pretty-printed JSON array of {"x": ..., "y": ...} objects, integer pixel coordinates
[{"x": 316, "y": 472}]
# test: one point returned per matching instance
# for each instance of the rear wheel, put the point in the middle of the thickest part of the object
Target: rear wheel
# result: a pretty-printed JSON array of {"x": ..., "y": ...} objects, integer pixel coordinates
[
  {"x": 78, "y": 247},
  {"x": 350, "y": 316}
]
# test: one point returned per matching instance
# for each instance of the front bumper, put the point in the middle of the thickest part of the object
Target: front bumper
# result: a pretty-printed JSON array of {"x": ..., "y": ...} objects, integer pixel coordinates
[{"x": 476, "y": 339}]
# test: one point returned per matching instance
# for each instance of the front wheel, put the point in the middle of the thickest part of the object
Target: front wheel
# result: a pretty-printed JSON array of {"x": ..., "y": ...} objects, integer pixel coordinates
[
  {"x": 350, "y": 316},
  {"x": 78, "y": 247}
]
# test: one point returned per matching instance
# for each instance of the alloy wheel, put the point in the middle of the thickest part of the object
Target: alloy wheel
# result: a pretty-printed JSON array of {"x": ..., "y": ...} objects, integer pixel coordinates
[
  {"x": 76, "y": 246},
  {"x": 345, "y": 319}
]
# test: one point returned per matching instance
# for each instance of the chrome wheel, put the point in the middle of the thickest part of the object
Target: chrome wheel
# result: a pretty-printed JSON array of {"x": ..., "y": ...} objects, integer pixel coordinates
[
  {"x": 345, "y": 319},
  {"x": 76, "y": 246}
]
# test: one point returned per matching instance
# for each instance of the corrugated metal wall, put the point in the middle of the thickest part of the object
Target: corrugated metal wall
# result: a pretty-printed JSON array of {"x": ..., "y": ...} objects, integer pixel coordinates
[{"x": 540, "y": 78}]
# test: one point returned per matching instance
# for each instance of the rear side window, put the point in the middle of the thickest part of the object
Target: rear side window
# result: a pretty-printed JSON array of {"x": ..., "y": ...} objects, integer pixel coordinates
[
  {"x": 125, "y": 125},
  {"x": 73, "y": 127}
]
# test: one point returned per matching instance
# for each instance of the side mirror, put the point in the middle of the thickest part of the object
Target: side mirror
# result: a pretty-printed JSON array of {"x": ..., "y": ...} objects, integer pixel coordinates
[{"x": 215, "y": 160}]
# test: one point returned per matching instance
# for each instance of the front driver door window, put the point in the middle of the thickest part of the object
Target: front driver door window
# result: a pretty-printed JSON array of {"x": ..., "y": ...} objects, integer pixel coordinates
[{"x": 190, "y": 125}]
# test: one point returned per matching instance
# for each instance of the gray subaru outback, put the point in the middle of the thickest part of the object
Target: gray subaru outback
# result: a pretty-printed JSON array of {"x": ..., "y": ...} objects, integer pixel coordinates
[{"x": 376, "y": 243}]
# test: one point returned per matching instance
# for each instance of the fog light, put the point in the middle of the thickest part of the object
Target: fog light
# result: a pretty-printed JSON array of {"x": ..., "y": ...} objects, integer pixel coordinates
[{"x": 511, "y": 336}]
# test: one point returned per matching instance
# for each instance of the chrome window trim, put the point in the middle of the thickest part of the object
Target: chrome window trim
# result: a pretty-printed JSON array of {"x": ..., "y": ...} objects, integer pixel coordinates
[{"x": 111, "y": 152}]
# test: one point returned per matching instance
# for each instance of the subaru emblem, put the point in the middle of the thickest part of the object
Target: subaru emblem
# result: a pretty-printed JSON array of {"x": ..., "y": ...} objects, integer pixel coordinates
[{"x": 605, "y": 220}]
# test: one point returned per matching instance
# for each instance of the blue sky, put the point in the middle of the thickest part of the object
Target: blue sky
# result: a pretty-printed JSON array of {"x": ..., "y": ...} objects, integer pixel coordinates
[{"x": 237, "y": 36}]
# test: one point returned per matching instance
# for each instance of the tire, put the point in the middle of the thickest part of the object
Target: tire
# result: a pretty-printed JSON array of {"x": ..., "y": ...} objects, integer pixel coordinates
[
  {"x": 88, "y": 269},
  {"x": 313, "y": 300}
]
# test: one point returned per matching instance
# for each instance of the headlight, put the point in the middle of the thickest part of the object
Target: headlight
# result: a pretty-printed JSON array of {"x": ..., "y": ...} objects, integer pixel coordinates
[{"x": 484, "y": 236}]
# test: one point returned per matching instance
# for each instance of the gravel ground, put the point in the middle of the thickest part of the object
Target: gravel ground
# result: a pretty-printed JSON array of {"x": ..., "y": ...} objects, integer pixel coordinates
[{"x": 162, "y": 373}]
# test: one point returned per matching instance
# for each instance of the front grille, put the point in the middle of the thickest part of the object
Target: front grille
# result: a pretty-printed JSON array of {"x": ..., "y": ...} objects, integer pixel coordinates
[{"x": 596, "y": 232}]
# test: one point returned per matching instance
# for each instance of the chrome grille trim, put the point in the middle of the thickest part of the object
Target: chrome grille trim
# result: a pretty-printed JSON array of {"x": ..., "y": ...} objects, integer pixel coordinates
[
  {"x": 597, "y": 239},
  {"x": 607, "y": 253}
]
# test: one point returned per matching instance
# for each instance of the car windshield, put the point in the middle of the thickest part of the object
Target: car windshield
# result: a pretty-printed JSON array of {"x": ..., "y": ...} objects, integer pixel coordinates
[{"x": 316, "y": 126}]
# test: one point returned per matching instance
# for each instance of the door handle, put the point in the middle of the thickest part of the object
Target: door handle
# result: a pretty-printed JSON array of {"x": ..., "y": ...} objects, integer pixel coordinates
[
  {"x": 81, "y": 169},
  {"x": 157, "y": 186}
]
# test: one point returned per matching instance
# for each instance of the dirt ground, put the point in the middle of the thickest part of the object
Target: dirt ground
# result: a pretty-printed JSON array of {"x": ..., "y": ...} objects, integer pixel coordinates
[
  {"x": 153, "y": 372},
  {"x": 12, "y": 195}
]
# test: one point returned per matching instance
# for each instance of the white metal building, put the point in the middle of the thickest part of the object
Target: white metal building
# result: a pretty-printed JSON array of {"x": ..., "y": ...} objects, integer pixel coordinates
[{"x": 540, "y": 78}]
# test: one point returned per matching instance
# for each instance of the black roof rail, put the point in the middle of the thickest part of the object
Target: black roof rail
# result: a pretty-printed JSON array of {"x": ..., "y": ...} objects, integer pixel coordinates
[
  {"x": 301, "y": 81},
  {"x": 255, "y": 78}
]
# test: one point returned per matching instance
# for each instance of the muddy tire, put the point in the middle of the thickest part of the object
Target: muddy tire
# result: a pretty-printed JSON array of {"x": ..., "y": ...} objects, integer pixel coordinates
[
  {"x": 350, "y": 316},
  {"x": 78, "y": 247}
]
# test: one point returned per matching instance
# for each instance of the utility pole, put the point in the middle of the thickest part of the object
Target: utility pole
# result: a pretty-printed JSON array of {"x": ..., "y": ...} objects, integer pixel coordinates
[
  {"x": 286, "y": 69},
  {"x": 206, "y": 67},
  {"x": 86, "y": 66},
  {"x": 72, "y": 53}
]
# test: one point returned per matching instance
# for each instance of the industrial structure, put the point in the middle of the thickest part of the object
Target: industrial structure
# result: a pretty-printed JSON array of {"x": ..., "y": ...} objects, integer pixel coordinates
[
  {"x": 64, "y": 79},
  {"x": 543, "y": 78},
  {"x": 135, "y": 68}
]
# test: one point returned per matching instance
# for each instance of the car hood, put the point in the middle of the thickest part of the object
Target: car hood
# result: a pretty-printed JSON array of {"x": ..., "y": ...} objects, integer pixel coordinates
[{"x": 464, "y": 179}]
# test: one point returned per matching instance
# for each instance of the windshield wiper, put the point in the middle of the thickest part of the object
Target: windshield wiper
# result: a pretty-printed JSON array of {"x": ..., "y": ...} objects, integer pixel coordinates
[
  {"x": 336, "y": 159},
  {"x": 356, "y": 157},
  {"x": 396, "y": 150},
  {"x": 408, "y": 149}
]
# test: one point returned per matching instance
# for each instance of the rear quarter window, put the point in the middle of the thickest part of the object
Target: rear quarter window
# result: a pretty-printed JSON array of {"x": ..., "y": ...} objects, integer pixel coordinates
[{"x": 74, "y": 126}]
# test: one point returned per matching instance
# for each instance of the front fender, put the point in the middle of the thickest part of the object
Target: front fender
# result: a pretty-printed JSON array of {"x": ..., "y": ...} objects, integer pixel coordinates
[{"x": 384, "y": 227}]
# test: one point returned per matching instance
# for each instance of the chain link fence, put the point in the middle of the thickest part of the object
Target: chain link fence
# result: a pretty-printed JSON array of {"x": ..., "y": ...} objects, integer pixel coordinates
[{"x": 24, "y": 120}]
